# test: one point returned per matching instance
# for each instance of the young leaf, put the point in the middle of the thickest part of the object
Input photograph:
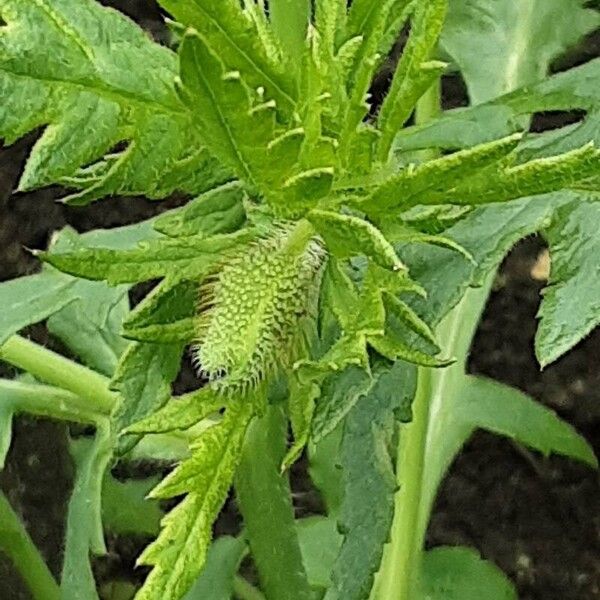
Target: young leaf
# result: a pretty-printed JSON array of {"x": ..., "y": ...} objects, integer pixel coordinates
[
  {"x": 415, "y": 72},
  {"x": 179, "y": 553},
  {"x": 217, "y": 211},
  {"x": 181, "y": 413},
  {"x": 570, "y": 307},
  {"x": 339, "y": 394},
  {"x": 347, "y": 236},
  {"x": 232, "y": 36},
  {"x": 290, "y": 19},
  {"x": 461, "y": 574}
]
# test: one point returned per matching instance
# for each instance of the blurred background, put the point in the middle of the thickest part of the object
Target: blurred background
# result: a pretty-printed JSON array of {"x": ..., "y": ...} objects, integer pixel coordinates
[{"x": 538, "y": 519}]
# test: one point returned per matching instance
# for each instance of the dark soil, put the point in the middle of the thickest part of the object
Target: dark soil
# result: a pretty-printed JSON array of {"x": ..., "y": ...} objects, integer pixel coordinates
[{"x": 538, "y": 519}]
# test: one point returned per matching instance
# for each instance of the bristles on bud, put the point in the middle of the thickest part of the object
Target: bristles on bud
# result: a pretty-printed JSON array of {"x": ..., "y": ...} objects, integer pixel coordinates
[{"x": 251, "y": 309}]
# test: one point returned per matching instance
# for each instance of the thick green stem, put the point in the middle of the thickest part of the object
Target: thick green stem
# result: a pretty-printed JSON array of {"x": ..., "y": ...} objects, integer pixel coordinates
[
  {"x": 52, "y": 368},
  {"x": 265, "y": 501},
  {"x": 16, "y": 543}
]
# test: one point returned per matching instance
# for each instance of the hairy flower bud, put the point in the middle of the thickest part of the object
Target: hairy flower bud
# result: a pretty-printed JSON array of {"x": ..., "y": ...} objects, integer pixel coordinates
[{"x": 250, "y": 310}]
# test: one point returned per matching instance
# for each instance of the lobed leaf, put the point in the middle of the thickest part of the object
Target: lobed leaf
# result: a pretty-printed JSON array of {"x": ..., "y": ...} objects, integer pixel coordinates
[
  {"x": 91, "y": 100},
  {"x": 570, "y": 308},
  {"x": 179, "y": 553}
]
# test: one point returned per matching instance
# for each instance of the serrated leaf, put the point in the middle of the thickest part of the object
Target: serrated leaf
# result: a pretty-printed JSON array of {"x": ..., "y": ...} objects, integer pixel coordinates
[
  {"x": 188, "y": 257},
  {"x": 217, "y": 211},
  {"x": 369, "y": 482},
  {"x": 570, "y": 307},
  {"x": 181, "y": 413},
  {"x": 367, "y": 27},
  {"x": 179, "y": 553},
  {"x": 143, "y": 379},
  {"x": 290, "y": 20},
  {"x": 461, "y": 574},
  {"x": 166, "y": 315},
  {"x": 465, "y": 127},
  {"x": 516, "y": 41},
  {"x": 91, "y": 99},
  {"x": 434, "y": 178}
]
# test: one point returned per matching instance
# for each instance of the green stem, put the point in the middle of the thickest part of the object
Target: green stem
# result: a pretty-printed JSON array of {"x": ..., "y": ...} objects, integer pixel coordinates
[
  {"x": 48, "y": 401},
  {"x": 265, "y": 501},
  {"x": 16, "y": 543},
  {"x": 397, "y": 570},
  {"x": 428, "y": 108},
  {"x": 244, "y": 590},
  {"x": 52, "y": 368}
]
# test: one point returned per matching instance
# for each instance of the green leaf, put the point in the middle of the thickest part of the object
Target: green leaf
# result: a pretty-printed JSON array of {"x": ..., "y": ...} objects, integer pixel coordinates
[
  {"x": 217, "y": 211},
  {"x": 367, "y": 25},
  {"x": 465, "y": 127},
  {"x": 90, "y": 326},
  {"x": 84, "y": 516},
  {"x": 31, "y": 299},
  {"x": 290, "y": 19},
  {"x": 320, "y": 542},
  {"x": 324, "y": 470},
  {"x": 143, "y": 379},
  {"x": 514, "y": 41},
  {"x": 415, "y": 72},
  {"x": 570, "y": 307},
  {"x": 181, "y": 413},
  {"x": 166, "y": 315},
  {"x": 222, "y": 562},
  {"x": 505, "y": 411},
  {"x": 230, "y": 34},
  {"x": 180, "y": 551},
  {"x": 461, "y": 574},
  {"x": 435, "y": 178},
  {"x": 91, "y": 98},
  {"x": 369, "y": 482},
  {"x": 125, "y": 508},
  {"x": 188, "y": 257}
]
